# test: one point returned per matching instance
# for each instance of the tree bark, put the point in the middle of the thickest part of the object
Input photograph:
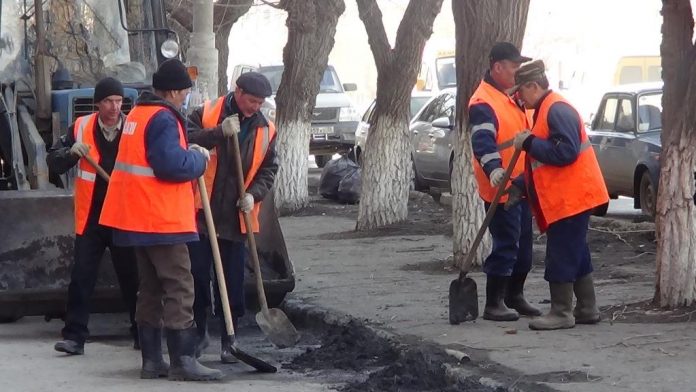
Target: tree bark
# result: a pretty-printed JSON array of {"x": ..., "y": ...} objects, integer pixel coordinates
[
  {"x": 311, "y": 30},
  {"x": 387, "y": 169},
  {"x": 675, "y": 216},
  {"x": 478, "y": 25}
]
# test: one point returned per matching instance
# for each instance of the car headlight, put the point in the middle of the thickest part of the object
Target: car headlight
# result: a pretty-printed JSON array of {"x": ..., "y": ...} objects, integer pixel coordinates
[{"x": 348, "y": 113}]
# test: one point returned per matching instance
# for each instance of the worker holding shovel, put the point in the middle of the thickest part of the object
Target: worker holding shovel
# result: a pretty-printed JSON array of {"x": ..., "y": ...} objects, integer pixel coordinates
[
  {"x": 235, "y": 115},
  {"x": 563, "y": 183}
]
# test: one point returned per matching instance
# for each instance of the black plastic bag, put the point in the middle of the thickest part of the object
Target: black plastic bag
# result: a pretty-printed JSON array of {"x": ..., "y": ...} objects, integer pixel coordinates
[
  {"x": 350, "y": 187},
  {"x": 333, "y": 173}
]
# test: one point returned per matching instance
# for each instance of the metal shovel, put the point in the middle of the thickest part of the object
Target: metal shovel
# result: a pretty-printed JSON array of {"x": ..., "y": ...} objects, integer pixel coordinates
[
  {"x": 463, "y": 295},
  {"x": 254, "y": 362},
  {"x": 273, "y": 322}
]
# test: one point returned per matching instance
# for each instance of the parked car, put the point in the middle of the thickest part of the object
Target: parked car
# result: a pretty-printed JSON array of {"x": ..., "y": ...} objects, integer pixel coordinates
[
  {"x": 625, "y": 134},
  {"x": 334, "y": 118},
  {"x": 418, "y": 99}
]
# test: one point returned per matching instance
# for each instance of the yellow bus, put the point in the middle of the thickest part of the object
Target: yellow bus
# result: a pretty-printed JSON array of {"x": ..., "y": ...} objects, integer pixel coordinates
[{"x": 638, "y": 69}]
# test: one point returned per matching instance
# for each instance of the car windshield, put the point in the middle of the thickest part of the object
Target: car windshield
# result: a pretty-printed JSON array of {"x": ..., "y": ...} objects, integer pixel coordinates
[
  {"x": 446, "y": 72},
  {"x": 329, "y": 81},
  {"x": 650, "y": 112},
  {"x": 417, "y": 103}
]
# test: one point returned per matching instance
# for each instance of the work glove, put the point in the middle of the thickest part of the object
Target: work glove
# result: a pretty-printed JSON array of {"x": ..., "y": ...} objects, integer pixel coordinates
[
  {"x": 201, "y": 150},
  {"x": 79, "y": 149},
  {"x": 230, "y": 125},
  {"x": 514, "y": 194},
  {"x": 520, "y": 138},
  {"x": 496, "y": 177},
  {"x": 246, "y": 202}
]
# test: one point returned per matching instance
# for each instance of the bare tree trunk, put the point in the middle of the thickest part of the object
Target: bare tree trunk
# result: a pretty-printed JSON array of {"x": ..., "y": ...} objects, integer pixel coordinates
[
  {"x": 675, "y": 215},
  {"x": 311, "y": 29},
  {"x": 478, "y": 25},
  {"x": 387, "y": 167}
]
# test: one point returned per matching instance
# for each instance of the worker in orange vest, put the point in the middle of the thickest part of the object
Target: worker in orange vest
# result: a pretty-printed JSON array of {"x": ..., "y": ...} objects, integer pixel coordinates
[
  {"x": 494, "y": 119},
  {"x": 563, "y": 184},
  {"x": 149, "y": 204},
  {"x": 96, "y": 135},
  {"x": 239, "y": 110}
]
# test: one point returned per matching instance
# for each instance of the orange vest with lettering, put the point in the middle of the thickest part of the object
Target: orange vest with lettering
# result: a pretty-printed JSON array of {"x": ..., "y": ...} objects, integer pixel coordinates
[
  {"x": 138, "y": 201},
  {"x": 563, "y": 191},
  {"x": 511, "y": 120},
  {"x": 83, "y": 132},
  {"x": 212, "y": 115}
]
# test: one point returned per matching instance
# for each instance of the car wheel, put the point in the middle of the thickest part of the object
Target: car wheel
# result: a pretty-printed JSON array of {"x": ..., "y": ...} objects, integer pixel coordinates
[
  {"x": 601, "y": 210},
  {"x": 321, "y": 160},
  {"x": 648, "y": 195}
]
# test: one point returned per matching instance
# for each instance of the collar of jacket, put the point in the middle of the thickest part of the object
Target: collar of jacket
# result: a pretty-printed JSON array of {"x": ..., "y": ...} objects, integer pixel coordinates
[
  {"x": 147, "y": 98},
  {"x": 538, "y": 105}
]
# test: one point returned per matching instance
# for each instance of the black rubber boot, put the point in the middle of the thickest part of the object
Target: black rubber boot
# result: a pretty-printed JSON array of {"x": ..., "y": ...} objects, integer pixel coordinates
[
  {"x": 70, "y": 347},
  {"x": 495, "y": 309},
  {"x": 151, "y": 351},
  {"x": 184, "y": 365},
  {"x": 202, "y": 337},
  {"x": 225, "y": 353},
  {"x": 586, "y": 311},
  {"x": 514, "y": 297}
]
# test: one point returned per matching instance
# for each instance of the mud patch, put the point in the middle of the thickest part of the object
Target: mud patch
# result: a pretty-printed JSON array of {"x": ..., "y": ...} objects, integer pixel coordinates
[{"x": 646, "y": 312}]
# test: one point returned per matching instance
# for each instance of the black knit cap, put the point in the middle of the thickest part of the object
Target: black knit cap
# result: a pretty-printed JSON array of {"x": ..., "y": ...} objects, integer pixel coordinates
[
  {"x": 107, "y": 87},
  {"x": 506, "y": 51},
  {"x": 255, "y": 84},
  {"x": 171, "y": 75}
]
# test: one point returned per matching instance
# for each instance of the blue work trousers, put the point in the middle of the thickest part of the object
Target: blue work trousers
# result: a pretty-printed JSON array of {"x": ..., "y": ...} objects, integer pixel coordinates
[
  {"x": 567, "y": 253},
  {"x": 512, "y": 241}
]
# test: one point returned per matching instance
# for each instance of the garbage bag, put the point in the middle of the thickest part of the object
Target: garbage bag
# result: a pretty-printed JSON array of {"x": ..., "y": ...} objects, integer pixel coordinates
[
  {"x": 350, "y": 186},
  {"x": 332, "y": 174}
]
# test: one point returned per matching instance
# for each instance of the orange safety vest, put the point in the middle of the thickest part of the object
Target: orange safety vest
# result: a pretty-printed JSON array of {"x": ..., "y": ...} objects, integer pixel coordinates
[
  {"x": 562, "y": 192},
  {"x": 83, "y": 132},
  {"x": 212, "y": 114},
  {"x": 511, "y": 120},
  {"x": 138, "y": 201}
]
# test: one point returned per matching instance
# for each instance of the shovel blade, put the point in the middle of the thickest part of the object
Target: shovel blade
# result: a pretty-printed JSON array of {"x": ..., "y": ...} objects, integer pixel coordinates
[
  {"x": 256, "y": 363},
  {"x": 278, "y": 328},
  {"x": 463, "y": 300}
]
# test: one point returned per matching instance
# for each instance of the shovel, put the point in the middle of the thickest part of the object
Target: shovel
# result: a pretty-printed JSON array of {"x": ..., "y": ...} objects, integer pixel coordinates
[
  {"x": 273, "y": 322},
  {"x": 256, "y": 363},
  {"x": 98, "y": 168},
  {"x": 463, "y": 295}
]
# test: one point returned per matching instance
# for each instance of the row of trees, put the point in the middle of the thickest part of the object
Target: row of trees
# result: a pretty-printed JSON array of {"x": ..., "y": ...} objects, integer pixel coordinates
[{"x": 387, "y": 165}]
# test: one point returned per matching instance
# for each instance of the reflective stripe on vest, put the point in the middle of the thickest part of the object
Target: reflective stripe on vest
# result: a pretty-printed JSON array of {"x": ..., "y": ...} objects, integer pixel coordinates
[
  {"x": 136, "y": 200},
  {"x": 211, "y": 117},
  {"x": 563, "y": 191},
  {"x": 83, "y": 132},
  {"x": 511, "y": 120}
]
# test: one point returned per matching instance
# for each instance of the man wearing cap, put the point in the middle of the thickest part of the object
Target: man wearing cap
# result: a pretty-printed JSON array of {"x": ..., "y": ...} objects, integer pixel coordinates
[
  {"x": 96, "y": 135},
  {"x": 233, "y": 115},
  {"x": 563, "y": 184},
  {"x": 149, "y": 204},
  {"x": 495, "y": 118}
]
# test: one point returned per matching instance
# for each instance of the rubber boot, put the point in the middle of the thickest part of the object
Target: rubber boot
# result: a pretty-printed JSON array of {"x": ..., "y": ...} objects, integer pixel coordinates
[
  {"x": 202, "y": 337},
  {"x": 71, "y": 347},
  {"x": 514, "y": 297},
  {"x": 151, "y": 351},
  {"x": 586, "y": 311},
  {"x": 495, "y": 305},
  {"x": 561, "y": 314},
  {"x": 225, "y": 343},
  {"x": 184, "y": 365}
]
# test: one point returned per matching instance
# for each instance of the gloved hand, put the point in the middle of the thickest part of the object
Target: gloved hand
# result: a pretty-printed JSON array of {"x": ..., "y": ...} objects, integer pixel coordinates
[
  {"x": 496, "y": 177},
  {"x": 230, "y": 125},
  {"x": 246, "y": 202},
  {"x": 79, "y": 149},
  {"x": 520, "y": 138},
  {"x": 514, "y": 194},
  {"x": 203, "y": 151}
]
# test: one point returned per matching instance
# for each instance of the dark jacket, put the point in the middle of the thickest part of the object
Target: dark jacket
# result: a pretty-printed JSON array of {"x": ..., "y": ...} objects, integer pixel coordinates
[
  {"x": 225, "y": 193},
  {"x": 60, "y": 160},
  {"x": 169, "y": 162}
]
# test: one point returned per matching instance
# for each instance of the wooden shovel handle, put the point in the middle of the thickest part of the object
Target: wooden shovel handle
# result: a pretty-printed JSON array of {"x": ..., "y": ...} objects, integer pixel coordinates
[
  {"x": 98, "y": 168},
  {"x": 466, "y": 267}
]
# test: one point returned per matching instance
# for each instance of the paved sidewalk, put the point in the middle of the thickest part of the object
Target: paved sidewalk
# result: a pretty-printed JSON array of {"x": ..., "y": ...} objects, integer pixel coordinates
[{"x": 397, "y": 283}]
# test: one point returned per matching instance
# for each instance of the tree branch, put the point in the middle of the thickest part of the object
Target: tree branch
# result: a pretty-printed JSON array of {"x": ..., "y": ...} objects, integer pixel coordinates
[{"x": 371, "y": 16}]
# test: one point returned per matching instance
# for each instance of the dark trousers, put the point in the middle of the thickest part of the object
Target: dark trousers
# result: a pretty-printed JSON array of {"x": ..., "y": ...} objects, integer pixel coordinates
[
  {"x": 88, "y": 252},
  {"x": 567, "y": 253},
  {"x": 512, "y": 241},
  {"x": 233, "y": 254},
  {"x": 165, "y": 297}
]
